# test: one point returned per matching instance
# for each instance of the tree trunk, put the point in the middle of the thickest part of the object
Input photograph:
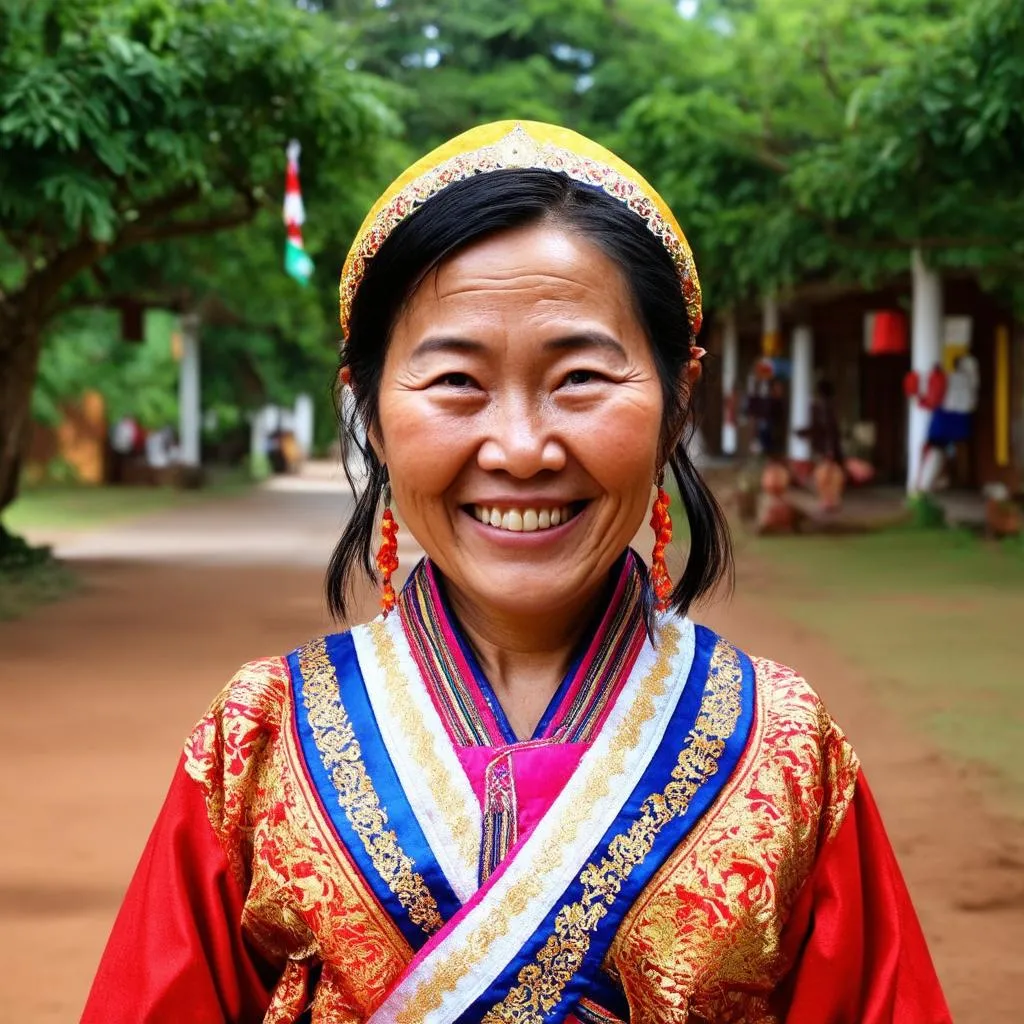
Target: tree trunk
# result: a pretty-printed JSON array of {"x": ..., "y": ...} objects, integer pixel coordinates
[{"x": 20, "y": 343}]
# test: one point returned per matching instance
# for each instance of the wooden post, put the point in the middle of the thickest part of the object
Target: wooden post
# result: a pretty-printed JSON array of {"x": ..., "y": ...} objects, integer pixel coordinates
[
  {"x": 771, "y": 339},
  {"x": 1002, "y": 396}
]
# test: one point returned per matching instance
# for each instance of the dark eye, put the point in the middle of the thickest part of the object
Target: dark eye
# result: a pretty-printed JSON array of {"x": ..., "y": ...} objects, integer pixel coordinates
[
  {"x": 577, "y": 377},
  {"x": 456, "y": 380}
]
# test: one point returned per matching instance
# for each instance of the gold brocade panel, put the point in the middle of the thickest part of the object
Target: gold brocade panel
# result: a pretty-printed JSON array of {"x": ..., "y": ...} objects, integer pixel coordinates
[
  {"x": 306, "y": 901},
  {"x": 703, "y": 942}
]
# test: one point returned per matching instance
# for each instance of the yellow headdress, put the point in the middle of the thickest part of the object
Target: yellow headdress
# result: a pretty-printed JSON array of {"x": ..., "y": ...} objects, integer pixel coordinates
[{"x": 519, "y": 144}]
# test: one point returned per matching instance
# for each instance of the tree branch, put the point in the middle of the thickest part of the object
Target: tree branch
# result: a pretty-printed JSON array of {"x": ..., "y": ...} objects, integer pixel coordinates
[
  {"x": 138, "y": 233},
  {"x": 826, "y": 73},
  {"x": 896, "y": 244},
  {"x": 171, "y": 298},
  {"x": 163, "y": 205}
]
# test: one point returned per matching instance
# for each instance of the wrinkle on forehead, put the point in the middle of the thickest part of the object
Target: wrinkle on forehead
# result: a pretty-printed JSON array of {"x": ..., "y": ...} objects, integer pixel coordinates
[
  {"x": 535, "y": 257},
  {"x": 539, "y": 275},
  {"x": 513, "y": 279}
]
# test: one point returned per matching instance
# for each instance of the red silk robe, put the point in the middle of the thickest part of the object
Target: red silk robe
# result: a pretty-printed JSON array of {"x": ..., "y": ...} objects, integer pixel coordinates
[{"x": 784, "y": 903}]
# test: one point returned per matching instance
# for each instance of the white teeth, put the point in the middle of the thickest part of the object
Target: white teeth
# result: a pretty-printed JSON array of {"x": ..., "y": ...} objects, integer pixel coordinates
[{"x": 525, "y": 520}]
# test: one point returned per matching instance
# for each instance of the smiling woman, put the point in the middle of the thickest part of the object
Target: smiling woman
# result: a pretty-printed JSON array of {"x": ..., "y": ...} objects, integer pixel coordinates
[
  {"x": 562, "y": 321},
  {"x": 532, "y": 790}
]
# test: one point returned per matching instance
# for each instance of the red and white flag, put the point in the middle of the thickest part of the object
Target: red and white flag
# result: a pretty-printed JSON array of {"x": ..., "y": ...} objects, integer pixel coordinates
[{"x": 296, "y": 261}]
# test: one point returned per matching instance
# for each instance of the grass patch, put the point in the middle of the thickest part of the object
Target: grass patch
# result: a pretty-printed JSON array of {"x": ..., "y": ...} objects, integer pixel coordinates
[
  {"x": 71, "y": 507},
  {"x": 22, "y": 591},
  {"x": 29, "y": 576},
  {"x": 936, "y": 617}
]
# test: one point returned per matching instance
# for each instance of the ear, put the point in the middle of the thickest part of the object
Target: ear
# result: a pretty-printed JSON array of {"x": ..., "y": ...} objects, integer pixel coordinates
[
  {"x": 376, "y": 443},
  {"x": 694, "y": 367}
]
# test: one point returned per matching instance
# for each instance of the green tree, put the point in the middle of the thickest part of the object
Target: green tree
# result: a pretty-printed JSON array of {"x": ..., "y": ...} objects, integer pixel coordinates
[
  {"x": 135, "y": 123},
  {"x": 932, "y": 155},
  {"x": 463, "y": 62},
  {"x": 738, "y": 141}
]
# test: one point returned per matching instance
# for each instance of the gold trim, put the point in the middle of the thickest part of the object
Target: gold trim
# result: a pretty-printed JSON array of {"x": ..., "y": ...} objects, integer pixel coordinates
[
  {"x": 342, "y": 757},
  {"x": 430, "y": 993},
  {"x": 542, "y": 983},
  {"x": 514, "y": 144},
  {"x": 465, "y": 832}
]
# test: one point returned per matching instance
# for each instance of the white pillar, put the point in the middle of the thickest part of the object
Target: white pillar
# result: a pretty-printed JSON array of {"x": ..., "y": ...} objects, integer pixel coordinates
[
  {"x": 302, "y": 419},
  {"x": 800, "y": 397},
  {"x": 925, "y": 352},
  {"x": 189, "y": 403},
  {"x": 730, "y": 367}
]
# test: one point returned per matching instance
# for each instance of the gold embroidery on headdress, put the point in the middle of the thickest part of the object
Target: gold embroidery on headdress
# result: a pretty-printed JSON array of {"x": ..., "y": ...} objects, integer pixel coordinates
[{"x": 519, "y": 144}]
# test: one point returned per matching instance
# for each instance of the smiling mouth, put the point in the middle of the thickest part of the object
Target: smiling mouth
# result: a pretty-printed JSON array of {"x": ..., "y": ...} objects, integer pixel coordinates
[{"x": 524, "y": 520}]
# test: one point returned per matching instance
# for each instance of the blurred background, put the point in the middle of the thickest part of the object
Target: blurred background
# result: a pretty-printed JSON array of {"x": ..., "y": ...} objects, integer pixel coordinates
[{"x": 179, "y": 184}]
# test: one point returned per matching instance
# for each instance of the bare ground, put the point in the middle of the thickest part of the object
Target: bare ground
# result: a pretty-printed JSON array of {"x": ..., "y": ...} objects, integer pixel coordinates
[{"x": 100, "y": 690}]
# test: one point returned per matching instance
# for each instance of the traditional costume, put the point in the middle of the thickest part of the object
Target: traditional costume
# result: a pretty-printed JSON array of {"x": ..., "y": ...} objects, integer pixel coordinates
[{"x": 355, "y": 833}]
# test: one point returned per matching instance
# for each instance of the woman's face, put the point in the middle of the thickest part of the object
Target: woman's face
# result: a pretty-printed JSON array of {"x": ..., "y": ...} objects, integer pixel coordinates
[{"x": 520, "y": 417}]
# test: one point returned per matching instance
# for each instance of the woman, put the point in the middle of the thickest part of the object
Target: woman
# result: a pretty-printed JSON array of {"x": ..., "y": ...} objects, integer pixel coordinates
[{"x": 532, "y": 790}]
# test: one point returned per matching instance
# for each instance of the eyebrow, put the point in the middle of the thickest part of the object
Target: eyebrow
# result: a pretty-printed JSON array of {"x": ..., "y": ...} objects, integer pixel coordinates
[
  {"x": 446, "y": 344},
  {"x": 587, "y": 340},
  {"x": 569, "y": 343}
]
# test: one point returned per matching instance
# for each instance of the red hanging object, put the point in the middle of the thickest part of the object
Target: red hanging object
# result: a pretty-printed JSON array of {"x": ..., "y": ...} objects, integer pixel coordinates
[
  {"x": 387, "y": 557},
  {"x": 661, "y": 523},
  {"x": 935, "y": 392},
  {"x": 889, "y": 334}
]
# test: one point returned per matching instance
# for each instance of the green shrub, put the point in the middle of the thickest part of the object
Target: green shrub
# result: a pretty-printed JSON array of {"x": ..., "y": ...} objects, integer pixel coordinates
[{"x": 926, "y": 513}]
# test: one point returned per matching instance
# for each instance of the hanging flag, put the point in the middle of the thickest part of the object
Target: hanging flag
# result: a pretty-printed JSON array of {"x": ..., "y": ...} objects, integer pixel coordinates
[{"x": 296, "y": 261}]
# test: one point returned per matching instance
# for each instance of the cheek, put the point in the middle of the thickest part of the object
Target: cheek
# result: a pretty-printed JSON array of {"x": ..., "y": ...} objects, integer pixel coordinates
[
  {"x": 619, "y": 446},
  {"x": 423, "y": 449}
]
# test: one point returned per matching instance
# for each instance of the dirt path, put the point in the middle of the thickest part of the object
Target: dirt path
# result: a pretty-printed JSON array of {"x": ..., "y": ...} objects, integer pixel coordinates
[
  {"x": 100, "y": 689},
  {"x": 964, "y": 867}
]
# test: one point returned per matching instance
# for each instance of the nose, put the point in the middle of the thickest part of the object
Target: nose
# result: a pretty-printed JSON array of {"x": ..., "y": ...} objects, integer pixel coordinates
[{"x": 520, "y": 440}]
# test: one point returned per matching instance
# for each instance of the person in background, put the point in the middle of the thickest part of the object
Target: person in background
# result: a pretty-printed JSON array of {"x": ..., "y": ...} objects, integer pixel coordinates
[
  {"x": 826, "y": 447},
  {"x": 953, "y": 404}
]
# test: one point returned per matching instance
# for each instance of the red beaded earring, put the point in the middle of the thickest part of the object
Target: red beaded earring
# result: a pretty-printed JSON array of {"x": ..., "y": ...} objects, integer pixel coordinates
[
  {"x": 661, "y": 523},
  {"x": 387, "y": 556}
]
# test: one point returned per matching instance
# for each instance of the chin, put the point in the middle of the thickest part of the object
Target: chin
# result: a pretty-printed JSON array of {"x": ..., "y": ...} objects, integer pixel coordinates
[{"x": 524, "y": 589}]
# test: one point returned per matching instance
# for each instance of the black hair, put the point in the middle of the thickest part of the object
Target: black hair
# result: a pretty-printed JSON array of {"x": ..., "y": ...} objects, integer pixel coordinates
[{"x": 463, "y": 213}]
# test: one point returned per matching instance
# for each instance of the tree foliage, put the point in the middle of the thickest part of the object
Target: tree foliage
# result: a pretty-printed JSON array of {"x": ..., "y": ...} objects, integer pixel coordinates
[
  {"x": 140, "y": 120},
  {"x": 143, "y": 122},
  {"x": 795, "y": 139},
  {"x": 932, "y": 152},
  {"x": 743, "y": 156}
]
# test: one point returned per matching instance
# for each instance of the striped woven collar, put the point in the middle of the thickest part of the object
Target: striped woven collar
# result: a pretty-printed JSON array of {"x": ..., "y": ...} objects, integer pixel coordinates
[{"x": 465, "y": 699}]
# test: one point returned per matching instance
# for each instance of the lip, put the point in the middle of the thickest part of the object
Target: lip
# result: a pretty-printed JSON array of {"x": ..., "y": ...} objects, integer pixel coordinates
[
  {"x": 522, "y": 538},
  {"x": 521, "y": 501}
]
